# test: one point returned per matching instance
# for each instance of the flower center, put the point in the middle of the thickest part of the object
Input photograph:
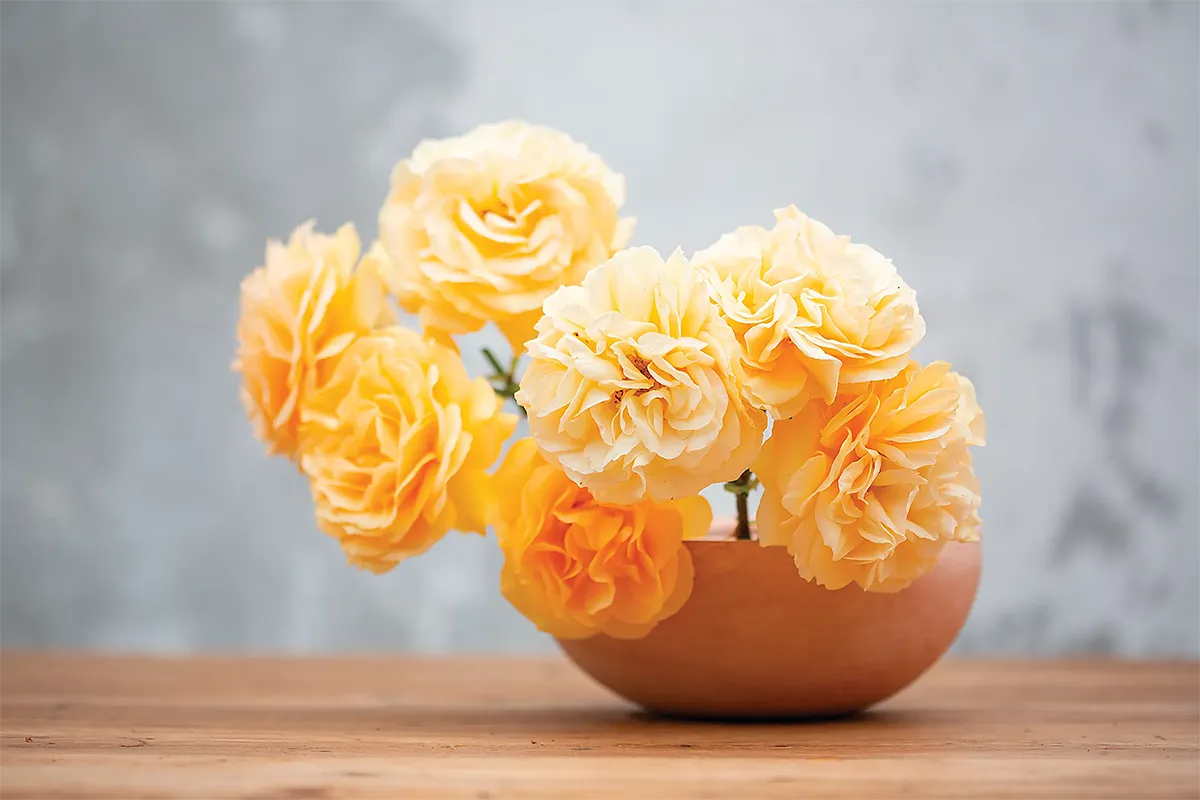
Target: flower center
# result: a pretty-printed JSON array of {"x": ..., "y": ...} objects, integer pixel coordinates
[{"x": 642, "y": 366}]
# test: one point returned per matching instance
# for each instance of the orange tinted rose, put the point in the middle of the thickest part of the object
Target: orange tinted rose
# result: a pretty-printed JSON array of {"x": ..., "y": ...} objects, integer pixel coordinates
[{"x": 577, "y": 567}]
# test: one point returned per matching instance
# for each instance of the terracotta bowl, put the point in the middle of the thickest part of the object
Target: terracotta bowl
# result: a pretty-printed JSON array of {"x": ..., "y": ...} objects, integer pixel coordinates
[{"x": 755, "y": 641}]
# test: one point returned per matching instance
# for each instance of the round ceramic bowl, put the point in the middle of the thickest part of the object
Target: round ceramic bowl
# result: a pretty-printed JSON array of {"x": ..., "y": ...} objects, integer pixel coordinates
[{"x": 756, "y": 641}]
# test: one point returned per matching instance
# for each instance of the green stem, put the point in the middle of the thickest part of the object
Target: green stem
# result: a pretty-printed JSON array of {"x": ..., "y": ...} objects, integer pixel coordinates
[
  {"x": 505, "y": 381},
  {"x": 495, "y": 362},
  {"x": 741, "y": 488},
  {"x": 743, "y": 523}
]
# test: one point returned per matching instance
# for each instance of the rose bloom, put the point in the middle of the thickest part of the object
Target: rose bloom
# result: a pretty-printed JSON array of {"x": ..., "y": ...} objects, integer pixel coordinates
[
  {"x": 396, "y": 445},
  {"x": 484, "y": 227},
  {"x": 869, "y": 489},
  {"x": 633, "y": 386},
  {"x": 971, "y": 426},
  {"x": 299, "y": 312},
  {"x": 577, "y": 567},
  {"x": 814, "y": 313}
]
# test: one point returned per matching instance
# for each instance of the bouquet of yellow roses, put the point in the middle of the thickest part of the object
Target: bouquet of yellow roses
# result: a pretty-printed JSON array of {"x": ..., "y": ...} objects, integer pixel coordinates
[{"x": 647, "y": 379}]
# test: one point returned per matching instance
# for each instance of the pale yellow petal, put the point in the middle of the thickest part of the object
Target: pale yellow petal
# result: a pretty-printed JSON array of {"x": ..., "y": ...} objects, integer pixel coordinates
[
  {"x": 812, "y": 312},
  {"x": 634, "y": 387},
  {"x": 484, "y": 227}
]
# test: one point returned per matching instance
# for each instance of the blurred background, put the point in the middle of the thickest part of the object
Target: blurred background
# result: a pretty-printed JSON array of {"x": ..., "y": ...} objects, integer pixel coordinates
[{"x": 1032, "y": 169}]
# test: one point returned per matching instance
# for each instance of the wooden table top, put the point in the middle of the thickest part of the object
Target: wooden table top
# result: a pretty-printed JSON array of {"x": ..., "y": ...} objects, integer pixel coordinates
[{"x": 95, "y": 726}]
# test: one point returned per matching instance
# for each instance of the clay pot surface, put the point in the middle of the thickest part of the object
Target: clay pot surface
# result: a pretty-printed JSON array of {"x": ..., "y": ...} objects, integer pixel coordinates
[{"x": 756, "y": 641}]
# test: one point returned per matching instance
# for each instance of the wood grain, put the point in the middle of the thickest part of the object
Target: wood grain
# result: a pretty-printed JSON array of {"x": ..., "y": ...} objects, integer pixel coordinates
[{"x": 93, "y": 726}]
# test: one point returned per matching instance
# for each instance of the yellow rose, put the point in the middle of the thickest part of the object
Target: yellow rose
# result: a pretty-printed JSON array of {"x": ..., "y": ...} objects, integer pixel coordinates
[
  {"x": 633, "y": 386},
  {"x": 869, "y": 489},
  {"x": 483, "y": 227},
  {"x": 395, "y": 446},
  {"x": 577, "y": 567},
  {"x": 971, "y": 426},
  {"x": 814, "y": 313},
  {"x": 299, "y": 312}
]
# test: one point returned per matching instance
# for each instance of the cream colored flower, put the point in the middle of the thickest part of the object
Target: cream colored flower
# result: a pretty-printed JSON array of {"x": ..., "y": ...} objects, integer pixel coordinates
[
  {"x": 813, "y": 312},
  {"x": 484, "y": 227},
  {"x": 869, "y": 489},
  {"x": 299, "y": 312},
  {"x": 577, "y": 567},
  {"x": 633, "y": 387},
  {"x": 395, "y": 446}
]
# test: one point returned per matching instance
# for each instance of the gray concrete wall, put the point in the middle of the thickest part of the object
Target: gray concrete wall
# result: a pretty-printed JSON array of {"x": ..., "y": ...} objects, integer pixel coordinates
[{"x": 1032, "y": 170}]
